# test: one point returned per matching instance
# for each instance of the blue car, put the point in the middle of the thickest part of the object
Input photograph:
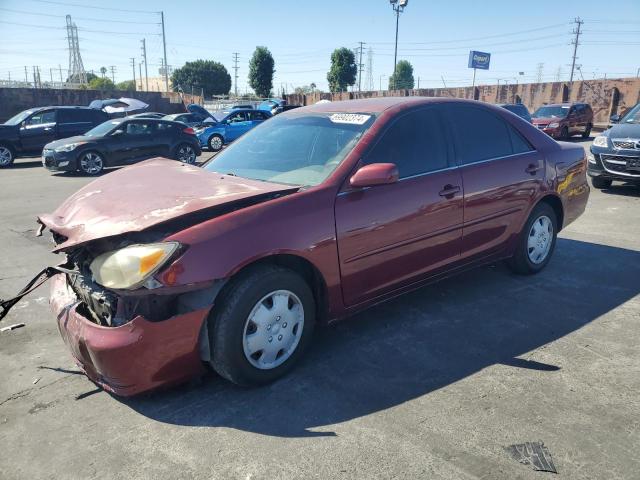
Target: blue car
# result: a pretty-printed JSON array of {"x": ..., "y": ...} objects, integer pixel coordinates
[{"x": 229, "y": 126}]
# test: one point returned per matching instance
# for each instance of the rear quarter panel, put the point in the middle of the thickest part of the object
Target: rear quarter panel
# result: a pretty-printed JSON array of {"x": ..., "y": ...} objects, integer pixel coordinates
[{"x": 570, "y": 182}]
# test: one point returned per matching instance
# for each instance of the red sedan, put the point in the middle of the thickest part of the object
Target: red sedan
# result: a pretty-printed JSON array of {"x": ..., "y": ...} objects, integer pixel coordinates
[{"x": 310, "y": 217}]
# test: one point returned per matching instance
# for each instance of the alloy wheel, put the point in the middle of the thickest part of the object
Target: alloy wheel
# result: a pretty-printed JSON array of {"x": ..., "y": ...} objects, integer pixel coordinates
[
  {"x": 186, "y": 154},
  {"x": 91, "y": 163},
  {"x": 540, "y": 239},
  {"x": 273, "y": 329},
  {"x": 6, "y": 156}
]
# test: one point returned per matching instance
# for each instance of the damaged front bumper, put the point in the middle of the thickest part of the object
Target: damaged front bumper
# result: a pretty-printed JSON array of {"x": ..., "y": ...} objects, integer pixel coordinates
[{"x": 138, "y": 356}]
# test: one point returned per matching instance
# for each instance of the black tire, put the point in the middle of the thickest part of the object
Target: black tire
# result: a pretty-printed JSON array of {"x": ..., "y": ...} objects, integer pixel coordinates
[
  {"x": 564, "y": 133},
  {"x": 7, "y": 155},
  {"x": 230, "y": 315},
  {"x": 601, "y": 183},
  {"x": 185, "y": 153},
  {"x": 215, "y": 146},
  {"x": 91, "y": 163},
  {"x": 587, "y": 132},
  {"x": 521, "y": 262}
]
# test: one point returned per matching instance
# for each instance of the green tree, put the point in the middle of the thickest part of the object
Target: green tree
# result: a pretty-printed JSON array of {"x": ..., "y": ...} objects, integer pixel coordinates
[
  {"x": 128, "y": 85},
  {"x": 101, "y": 84},
  {"x": 103, "y": 71},
  {"x": 343, "y": 70},
  {"x": 207, "y": 75},
  {"x": 261, "y": 70},
  {"x": 402, "y": 78}
]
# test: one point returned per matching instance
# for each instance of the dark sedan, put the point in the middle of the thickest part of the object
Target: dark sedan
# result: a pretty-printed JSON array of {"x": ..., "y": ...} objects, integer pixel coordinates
[
  {"x": 310, "y": 217},
  {"x": 122, "y": 142}
]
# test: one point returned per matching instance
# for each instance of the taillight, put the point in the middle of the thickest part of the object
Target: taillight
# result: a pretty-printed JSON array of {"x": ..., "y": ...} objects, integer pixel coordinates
[{"x": 189, "y": 131}]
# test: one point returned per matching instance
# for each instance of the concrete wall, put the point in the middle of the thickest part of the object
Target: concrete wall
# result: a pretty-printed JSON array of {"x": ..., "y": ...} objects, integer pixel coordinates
[
  {"x": 14, "y": 100},
  {"x": 606, "y": 97}
]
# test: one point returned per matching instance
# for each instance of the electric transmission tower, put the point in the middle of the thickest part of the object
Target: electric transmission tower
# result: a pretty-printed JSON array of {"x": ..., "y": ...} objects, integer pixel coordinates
[
  {"x": 539, "y": 72},
  {"x": 235, "y": 75},
  {"x": 77, "y": 73},
  {"x": 369, "y": 82}
]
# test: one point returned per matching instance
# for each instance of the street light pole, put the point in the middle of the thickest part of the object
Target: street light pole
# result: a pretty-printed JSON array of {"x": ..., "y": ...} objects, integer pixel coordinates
[{"x": 398, "y": 7}]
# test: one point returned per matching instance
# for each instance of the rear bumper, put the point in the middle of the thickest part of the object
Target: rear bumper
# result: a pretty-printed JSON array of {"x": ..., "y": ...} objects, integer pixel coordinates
[{"x": 133, "y": 358}]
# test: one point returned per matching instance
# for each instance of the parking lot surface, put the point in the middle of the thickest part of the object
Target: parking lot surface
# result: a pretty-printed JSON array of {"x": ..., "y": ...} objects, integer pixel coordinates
[{"x": 435, "y": 384}]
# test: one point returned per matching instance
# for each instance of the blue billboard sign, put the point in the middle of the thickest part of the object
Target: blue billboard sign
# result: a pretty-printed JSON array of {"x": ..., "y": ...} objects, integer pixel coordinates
[{"x": 479, "y": 60}]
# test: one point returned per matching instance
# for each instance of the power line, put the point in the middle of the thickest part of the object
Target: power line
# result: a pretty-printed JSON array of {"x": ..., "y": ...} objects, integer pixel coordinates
[
  {"x": 94, "y": 7},
  {"x": 31, "y": 25},
  {"x": 88, "y": 19}
]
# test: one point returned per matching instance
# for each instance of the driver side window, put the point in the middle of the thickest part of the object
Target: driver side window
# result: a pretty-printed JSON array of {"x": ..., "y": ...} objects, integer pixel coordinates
[
  {"x": 139, "y": 128},
  {"x": 236, "y": 117},
  {"x": 41, "y": 118}
]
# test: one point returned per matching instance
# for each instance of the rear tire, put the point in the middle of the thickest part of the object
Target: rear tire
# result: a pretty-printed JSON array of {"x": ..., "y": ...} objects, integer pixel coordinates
[
  {"x": 215, "y": 142},
  {"x": 601, "y": 183},
  {"x": 564, "y": 133},
  {"x": 185, "y": 153},
  {"x": 536, "y": 241},
  {"x": 587, "y": 132},
  {"x": 261, "y": 325},
  {"x": 7, "y": 155}
]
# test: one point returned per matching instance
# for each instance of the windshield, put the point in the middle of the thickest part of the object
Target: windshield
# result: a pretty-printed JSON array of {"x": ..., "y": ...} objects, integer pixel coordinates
[
  {"x": 551, "y": 112},
  {"x": 296, "y": 150},
  {"x": 102, "y": 129},
  {"x": 632, "y": 116},
  {"x": 16, "y": 119}
]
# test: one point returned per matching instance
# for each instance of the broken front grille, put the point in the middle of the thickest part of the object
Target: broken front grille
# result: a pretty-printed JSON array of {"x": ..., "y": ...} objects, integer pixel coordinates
[{"x": 627, "y": 165}]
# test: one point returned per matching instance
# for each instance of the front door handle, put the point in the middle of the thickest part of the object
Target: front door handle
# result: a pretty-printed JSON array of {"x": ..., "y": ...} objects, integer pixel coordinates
[
  {"x": 532, "y": 169},
  {"x": 48, "y": 129},
  {"x": 448, "y": 191}
]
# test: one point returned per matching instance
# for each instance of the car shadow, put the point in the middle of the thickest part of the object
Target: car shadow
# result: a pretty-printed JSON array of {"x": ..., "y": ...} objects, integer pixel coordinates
[
  {"x": 626, "y": 190},
  {"x": 26, "y": 164},
  {"x": 414, "y": 345}
]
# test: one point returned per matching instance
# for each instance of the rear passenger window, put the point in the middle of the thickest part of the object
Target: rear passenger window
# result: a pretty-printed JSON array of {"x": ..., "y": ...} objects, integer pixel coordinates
[
  {"x": 415, "y": 142},
  {"x": 482, "y": 135}
]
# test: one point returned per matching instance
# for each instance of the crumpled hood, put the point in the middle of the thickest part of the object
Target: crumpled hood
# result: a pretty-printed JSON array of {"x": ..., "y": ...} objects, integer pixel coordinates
[{"x": 146, "y": 194}]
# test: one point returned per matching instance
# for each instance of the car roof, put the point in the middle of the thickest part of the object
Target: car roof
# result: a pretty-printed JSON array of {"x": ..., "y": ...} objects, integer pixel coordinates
[
  {"x": 66, "y": 107},
  {"x": 379, "y": 105}
]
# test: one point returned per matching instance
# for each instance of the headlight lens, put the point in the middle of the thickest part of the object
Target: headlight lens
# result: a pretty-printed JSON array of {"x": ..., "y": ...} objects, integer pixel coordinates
[
  {"x": 554, "y": 125},
  {"x": 69, "y": 147},
  {"x": 129, "y": 267},
  {"x": 600, "y": 141}
]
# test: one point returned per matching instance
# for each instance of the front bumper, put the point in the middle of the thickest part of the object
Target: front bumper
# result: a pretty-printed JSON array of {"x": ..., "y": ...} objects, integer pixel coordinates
[
  {"x": 58, "y": 161},
  {"x": 614, "y": 165},
  {"x": 133, "y": 358},
  {"x": 552, "y": 132}
]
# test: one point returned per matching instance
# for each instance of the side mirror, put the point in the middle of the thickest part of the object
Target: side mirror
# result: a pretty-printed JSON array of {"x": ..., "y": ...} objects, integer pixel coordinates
[
  {"x": 615, "y": 118},
  {"x": 375, "y": 174}
]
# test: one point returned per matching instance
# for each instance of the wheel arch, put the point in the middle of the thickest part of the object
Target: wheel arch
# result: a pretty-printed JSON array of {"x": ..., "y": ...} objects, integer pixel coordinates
[
  {"x": 556, "y": 203},
  {"x": 93, "y": 149}
]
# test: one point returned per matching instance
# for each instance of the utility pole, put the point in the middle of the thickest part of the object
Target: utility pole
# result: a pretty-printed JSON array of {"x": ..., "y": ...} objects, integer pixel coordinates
[
  {"x": 140, "y": 67},
  {"x": 26, "y": 75},
  {"x": 51, "y": 74},
  {"x": 35, "y": 78},
  {"x": 575, "y": 42},
  {"x": 60, "y": 69},
  {"x": 398, "y": 7},
  {"x": 113, "y": 73},
  {"x": 360, "y": 65},
  {"x": 144, "y": 56},
  {"x": 235, "y": 75},
  {"x": 164, "y": 46},
  {"x": 133, "y": 67}
]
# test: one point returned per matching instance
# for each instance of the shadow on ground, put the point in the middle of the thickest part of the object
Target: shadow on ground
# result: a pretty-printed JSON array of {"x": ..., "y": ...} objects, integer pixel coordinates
[{"x": 416, "y": 344}]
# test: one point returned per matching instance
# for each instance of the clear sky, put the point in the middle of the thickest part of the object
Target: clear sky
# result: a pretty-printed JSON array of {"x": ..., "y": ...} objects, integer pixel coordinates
[{"x": 435, "y": 36}]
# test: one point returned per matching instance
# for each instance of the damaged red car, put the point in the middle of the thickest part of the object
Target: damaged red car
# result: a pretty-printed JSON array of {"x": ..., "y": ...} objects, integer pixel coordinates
[{"x": 310, "y": 217}]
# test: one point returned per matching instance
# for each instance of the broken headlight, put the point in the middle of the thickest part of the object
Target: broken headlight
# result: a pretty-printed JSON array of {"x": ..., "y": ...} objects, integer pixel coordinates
[{"x": 129, "y": 267}]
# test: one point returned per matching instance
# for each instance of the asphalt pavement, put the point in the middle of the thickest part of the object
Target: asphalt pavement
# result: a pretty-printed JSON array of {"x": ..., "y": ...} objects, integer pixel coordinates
[{"x": 434, "y": 385}]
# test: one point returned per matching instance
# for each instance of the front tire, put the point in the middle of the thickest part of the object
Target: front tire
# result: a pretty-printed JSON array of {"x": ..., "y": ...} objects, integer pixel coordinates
[
  {"x": 7, "y": 155},
  {"x": 536, "y": 241},
  {"x": 587, "y": 132},
  {"x": 564, "y": 133},
  {"x": 601, "y": 183},
  {"x": 91, "y": 163},
  {"x": 215, "y": 143},
  {"x": 261, "y": 325},
  {"x": 185, "y": 153}
]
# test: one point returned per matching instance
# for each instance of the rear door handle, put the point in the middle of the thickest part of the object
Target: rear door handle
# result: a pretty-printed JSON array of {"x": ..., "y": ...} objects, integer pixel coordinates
[
  {"x": 449, "y": 191},
  {"x": 532, "y": 169}
]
